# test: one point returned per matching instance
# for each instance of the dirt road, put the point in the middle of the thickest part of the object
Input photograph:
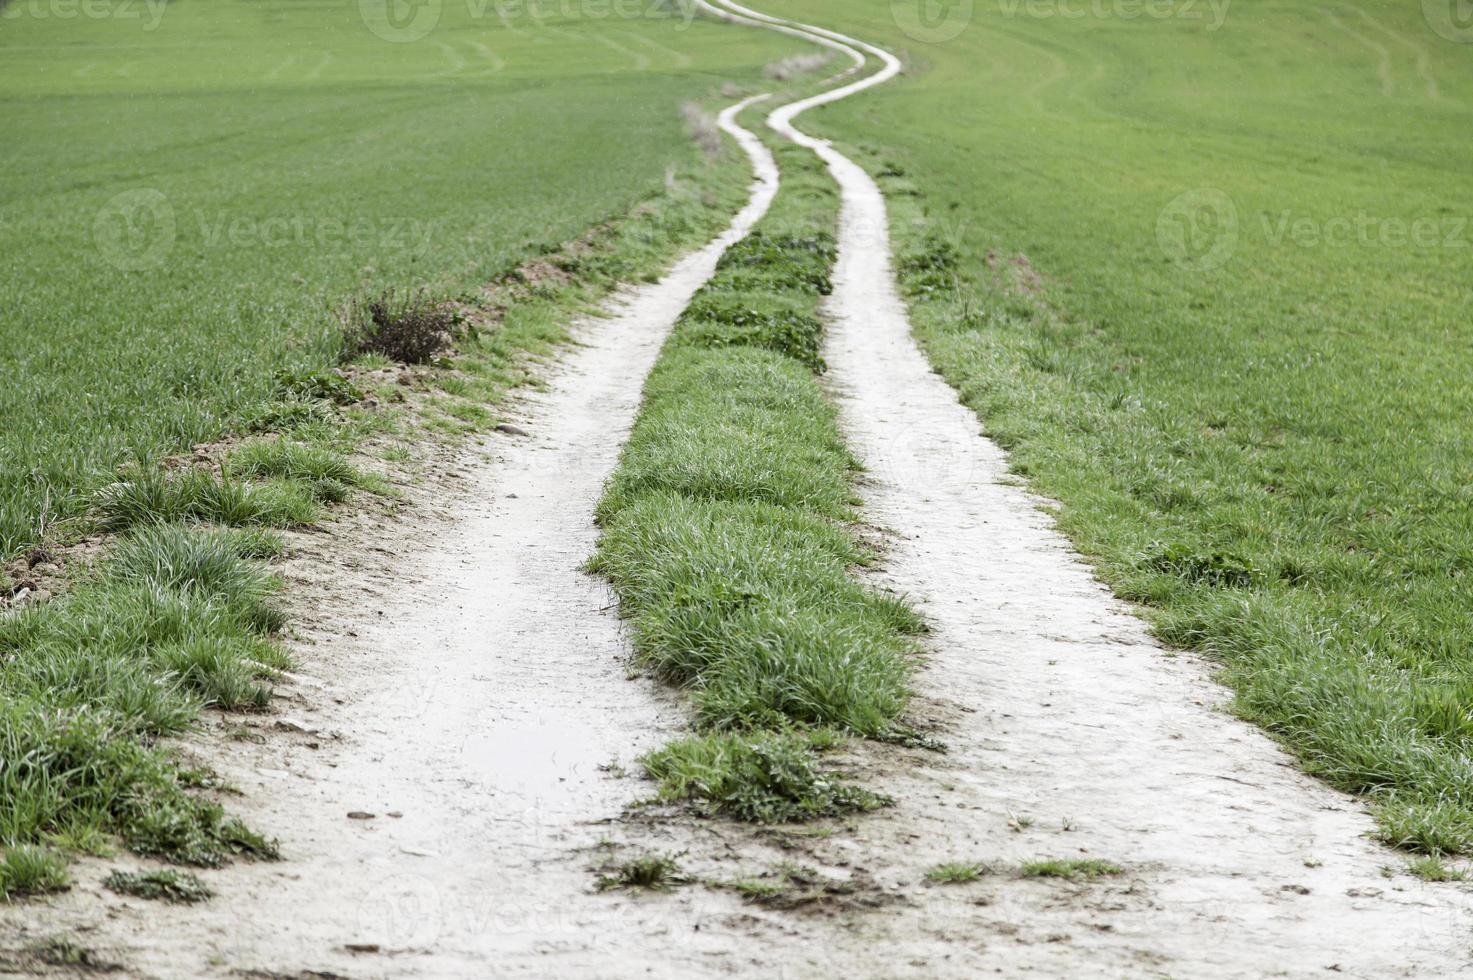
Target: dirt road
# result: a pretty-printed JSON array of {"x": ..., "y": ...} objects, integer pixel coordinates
[{"x": 466, "y": 697}]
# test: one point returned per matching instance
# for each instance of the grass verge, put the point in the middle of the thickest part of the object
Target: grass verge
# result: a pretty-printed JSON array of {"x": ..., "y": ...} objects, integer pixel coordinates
[
  {"x": 180, "y": 613},
  {"x": 1254, "y": 420},
  {"x": 1340, "y": 649},
  {"x": 726, "y": 537}
]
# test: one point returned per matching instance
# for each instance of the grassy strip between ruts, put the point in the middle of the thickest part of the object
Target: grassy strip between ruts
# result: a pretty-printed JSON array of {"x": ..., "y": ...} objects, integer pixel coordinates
[
  {"x": 726, "y": 542},
  {"x": 181, "y": 612},
  {"x": 1307, "y": 641}
]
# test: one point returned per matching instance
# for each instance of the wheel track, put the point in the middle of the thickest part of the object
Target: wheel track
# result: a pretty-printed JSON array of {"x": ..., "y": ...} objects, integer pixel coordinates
[
  {"x": 1057, "y": 705},
  {"x": 1062, "y": 711}
]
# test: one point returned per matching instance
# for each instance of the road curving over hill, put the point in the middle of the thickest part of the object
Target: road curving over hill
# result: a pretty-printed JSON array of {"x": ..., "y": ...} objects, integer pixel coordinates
[
  {"x": 450, "y": 776},
  {"x": 1072, "y": 733}
]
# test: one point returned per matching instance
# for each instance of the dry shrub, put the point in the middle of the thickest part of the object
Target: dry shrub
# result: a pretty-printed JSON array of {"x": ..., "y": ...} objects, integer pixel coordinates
[
  {"x": 404, "y": 327},
  {"x": 701, "y": 126},
  {"x": 799, "y": 64}
]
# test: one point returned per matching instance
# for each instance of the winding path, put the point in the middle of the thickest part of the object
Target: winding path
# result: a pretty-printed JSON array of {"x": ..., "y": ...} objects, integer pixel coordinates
[
  {"x": 1071, "y": 732},
  {"x": 478, "y": 711}
]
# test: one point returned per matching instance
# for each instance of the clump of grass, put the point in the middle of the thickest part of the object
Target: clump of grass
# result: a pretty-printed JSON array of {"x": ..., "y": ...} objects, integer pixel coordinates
[
  {"x": 749, "y": 319},
  {"x": 211, "y": 565},
  {"x": 222, "y": 671},
  {"x": 174, "y": 619},
  {"x": 758, "y": 890},
  {"x": 168, "y": 885},
  {"x": 650, "y": 872},
  {"x": 292, "y": 460},
  {"x": 403, "y": 326},
  {"x": 328, "y": 386},
  {"x": 290, "y": 415},
  {"x": 65, "y": 951},
  {"x": 201, "y": 495},
  {"x": 323, "y": 474},
  {"x": 31, "y": 870},
  {"x": 1087, "y": 869},
  {"x": 1434, "y": 868},
  {"x": 1431, "y": 828},
  {"x": 787, "y": 264},
  {"x": 956, "y": 872},
  {"x": 735, "y": 425},
  {"x": 759, "y": 778},
  {"x": 1219, "y": 569}
]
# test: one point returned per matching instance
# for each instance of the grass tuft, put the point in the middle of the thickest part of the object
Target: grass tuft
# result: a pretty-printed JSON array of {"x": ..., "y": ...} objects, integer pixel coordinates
[
  {"x": 221, "y": 670},
  {"x": 201, "y": 495},
  {"x": 956, "y": 873},
  {"x": 766, "y": 778},
  {"x": 651, "y": 872},
  {"x": 29, "y": 870},
  {"x": 168, "y": 885},
  {"x": 1074, "y": 869}
]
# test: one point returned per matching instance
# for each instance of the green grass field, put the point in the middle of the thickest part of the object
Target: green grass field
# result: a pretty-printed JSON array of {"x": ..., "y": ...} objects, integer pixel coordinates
[
  {"x": 192, "y": 189},
  {"x": 1208, "y": 280},
  {"x": 190, "y": 219}
]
